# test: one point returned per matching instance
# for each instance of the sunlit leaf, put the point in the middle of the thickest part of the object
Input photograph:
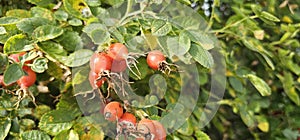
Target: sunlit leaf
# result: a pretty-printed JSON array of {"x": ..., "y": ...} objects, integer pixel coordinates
[
  {"x": 288, "y": 86},
  {"x": 47, "y": 32},
  {"x": 160, "y": 28},
  {"x": 8, "y": 20},
  {"x": 28, "y": 25},
  {"x": 260, "y": 85},
  {"x": 16, "y": 44},
  {"x": 263, "y": 123},
  {"x": 71, "y": 41},
  {"x": 4, "y": 127},
  {"x": 41, "y": 2},
  {"x": 77, "y": 58},
  {"x": 41, "y": 12},
  {"x": 56, "y": 121},
  {"x": 35, "y": 135},
  {"x": 19, "y": 13},
  {"x": 39, "y": 65},
  {"x": 201, "y": 55}
]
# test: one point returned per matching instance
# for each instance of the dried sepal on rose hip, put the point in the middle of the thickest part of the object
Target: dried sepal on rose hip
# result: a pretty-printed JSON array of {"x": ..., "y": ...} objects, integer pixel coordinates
[
  {"x": 126, "y": 125},
  {"x": 25, "y": 82},
  {"x": 94, "y": 81},
  {"x": 113, "y": 111},
  {"x": 156, "y": 60}
]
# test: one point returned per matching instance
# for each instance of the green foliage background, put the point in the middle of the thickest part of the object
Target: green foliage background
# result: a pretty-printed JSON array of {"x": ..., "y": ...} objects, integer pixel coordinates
[{"x": 259, "y": 39}]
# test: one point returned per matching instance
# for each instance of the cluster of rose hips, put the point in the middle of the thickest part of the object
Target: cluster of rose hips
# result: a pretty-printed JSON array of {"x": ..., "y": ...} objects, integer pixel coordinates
[
  {"x": 116, "y": 59},
  {"x": 25, "y": 81},
  {"x": 113, "y": 62},
  {"x": 127, "y": 125}
]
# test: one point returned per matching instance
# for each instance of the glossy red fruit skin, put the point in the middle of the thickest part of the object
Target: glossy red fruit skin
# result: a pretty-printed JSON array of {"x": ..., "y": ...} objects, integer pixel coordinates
[
  {"x": 128, "y": 117},
  {"x": 117, "y": 51},
  {"x": 154, "y": 58},
  {"x": 153, "y": 127},
  {"x": 2, "y": 80},
  {"x": 118, "y": 66},
  {"x": 93, "y": 77},
  {"x": 160, "y": 132},
  {"x": 113, "y": 111},
  {"x": 15, "y": 57},
  {"x": 27, "y": 80},
  {"x": 146, "y": 127},
  {"x": 100, "y": 62}
]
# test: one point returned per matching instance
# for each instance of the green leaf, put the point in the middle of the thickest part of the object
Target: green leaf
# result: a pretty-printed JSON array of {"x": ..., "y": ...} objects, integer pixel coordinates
[
  {"x": 35, "y": 135},
  {"x": 202, "y": 56},
  {"x": 57, "y": 121},
  {"x": 8, "y": 20},
  {"x": 200, "y": 135},
  {"x": 269, "y": 61},
  {"x": 100, "y": 36},
  {"x": 11, "y": 30},
  {"x": 41, "y": 13},
  {"x": 98, "y": 33},
  {"x": 186, "y": 22},
  {"x": 28, "y": 25},
  {"x": 18, "y": 13},
  {"x": 27, "y": 124},
  {"x": 40, "y": 64},
  {"x": 78, "y": 58},
  {"x": 289, "y": 88},
  {"x": 290, "y": 134},
  {"x": 54, "y": 70},
  {"x": 263, "y": 123},
  {"x": 53, "y": 50},
  {"x": 186, "y": 128},
  {"x": 201, "y": 38},
  {"x": 117, "y": 35},
  {"x": 2, "y": 31},
  {"x": 16, "y": 44},
  {"x": 75, "y": 22},
  {"x": 61, "y": 15},
  {"x": 176, "y": 47},
  {"x": 3, "y": 62},
  {"x": 5, "y": 125},
  {"x": 47, "y": 32},
  {"x": 93, "y": 3},
  {"x": 41, "y": 2},
  {"x": 184, "y": 42},
  {"x": 67, "y": 135},
  {"x": 13, "y": 73},
  {"x": 269, "y": 16},
  {"x": 79, "y": 77},
  {"x": 262, "y": 87},
  {"x": 71, "y": 41},
  {"x": 40, "y": 110},
  {"x": 160, "y": 27},
  {"x": 77, "y": 8},
  {"x": 247, "y": 117},
  {"x": 236, "y": 84}
]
